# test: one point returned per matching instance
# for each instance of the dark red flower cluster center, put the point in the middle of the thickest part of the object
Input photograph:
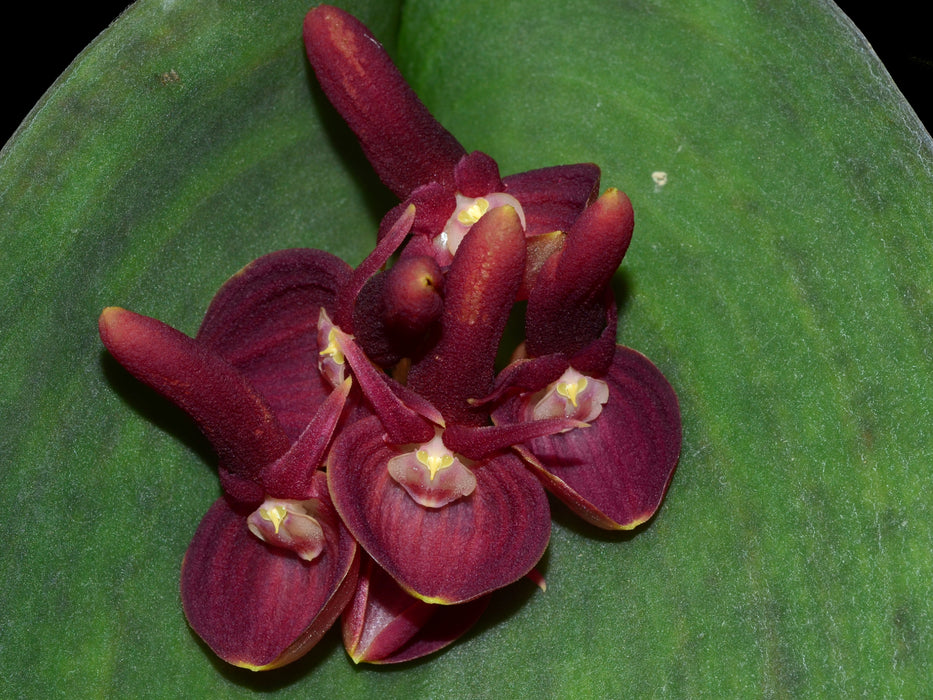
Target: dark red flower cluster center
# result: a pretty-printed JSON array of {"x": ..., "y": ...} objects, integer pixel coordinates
[{"x": 377, "y": 464}]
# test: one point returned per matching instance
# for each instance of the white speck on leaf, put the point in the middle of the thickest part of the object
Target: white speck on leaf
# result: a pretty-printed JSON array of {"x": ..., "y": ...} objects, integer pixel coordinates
[{"x": 660, "y": 179}]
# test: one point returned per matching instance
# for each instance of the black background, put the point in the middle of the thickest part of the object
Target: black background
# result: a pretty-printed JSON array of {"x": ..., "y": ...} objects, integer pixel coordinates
[{"x": 40, "y": 43}]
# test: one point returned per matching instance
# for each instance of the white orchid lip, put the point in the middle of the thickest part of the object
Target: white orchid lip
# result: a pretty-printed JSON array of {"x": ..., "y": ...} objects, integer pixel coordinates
[
  {"x": 289, "y": 524},
  {"x": 470, "y": 210},
  {"x": 431, "y": 474},
  {"x": 573, "y": 395}
]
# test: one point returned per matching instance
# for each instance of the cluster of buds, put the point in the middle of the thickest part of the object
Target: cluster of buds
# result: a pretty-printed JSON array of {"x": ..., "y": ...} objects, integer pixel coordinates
[{"x": 378, "y": 465}]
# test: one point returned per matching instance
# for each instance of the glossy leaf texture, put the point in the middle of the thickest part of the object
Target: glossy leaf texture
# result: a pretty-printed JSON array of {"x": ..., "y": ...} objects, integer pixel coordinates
[{"x": 778, "y": 275}]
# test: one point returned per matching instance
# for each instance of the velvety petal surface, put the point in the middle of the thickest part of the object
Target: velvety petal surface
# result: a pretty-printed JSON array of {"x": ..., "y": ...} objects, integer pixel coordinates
[
  {"x": 447, "y": 555},
  {"x": 615, "y": 472},
  {"x": 405, "y": 144},
  {"x": 259, "y": 606},
  {"x": 779, "y": 279},
  {"x": 553, "y": 197},
  {"x": 264, "y": 322},
  {"x": 479, "y": 291},
  {"x": 566, "y": 306},
  {"x": 228, "y": 409},
  {"x": 385, "y": 625}
]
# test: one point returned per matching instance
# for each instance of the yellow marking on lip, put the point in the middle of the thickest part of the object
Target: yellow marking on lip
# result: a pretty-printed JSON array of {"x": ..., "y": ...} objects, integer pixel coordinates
[
  {"x": 332, "y": 348},
  {"x": 434, "y": 463},
  {"x": 275, "y": 515},
  {"x": 570, "y": 390},
  {"x": 474, "y": 212}
]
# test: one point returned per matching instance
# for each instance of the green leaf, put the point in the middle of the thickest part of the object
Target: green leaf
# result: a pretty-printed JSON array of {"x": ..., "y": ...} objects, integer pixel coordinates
[{"x": 780, "y": 278}]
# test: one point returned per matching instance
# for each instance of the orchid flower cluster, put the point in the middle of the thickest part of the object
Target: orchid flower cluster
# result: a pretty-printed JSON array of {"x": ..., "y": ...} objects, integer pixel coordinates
[{"x": 377, "y": 466}]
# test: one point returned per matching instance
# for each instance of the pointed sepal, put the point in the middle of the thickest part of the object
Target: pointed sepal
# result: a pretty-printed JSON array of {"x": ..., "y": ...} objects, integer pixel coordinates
[
  {"x": 385, "y": 625},
  {"x": 292, "y": 475}
]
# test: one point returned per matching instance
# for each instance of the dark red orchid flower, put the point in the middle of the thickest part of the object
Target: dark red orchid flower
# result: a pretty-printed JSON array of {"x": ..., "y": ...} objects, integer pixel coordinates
[
  {"x": 271, "y": 566},
  {"x": 362, "y": 409}
]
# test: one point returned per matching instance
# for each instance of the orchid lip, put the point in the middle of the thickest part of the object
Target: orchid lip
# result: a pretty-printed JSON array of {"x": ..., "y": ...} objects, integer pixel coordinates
[
  {"x": 331, "y": 362},
  {"x": 572, "y": 395},
  {"x": 431, "y": 474},
  {"x": 290, "y": 525},
  {"x": 470, "y": 210}
]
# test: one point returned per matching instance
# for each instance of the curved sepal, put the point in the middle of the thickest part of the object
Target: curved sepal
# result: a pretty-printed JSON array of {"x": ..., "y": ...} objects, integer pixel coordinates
[
  {"x": 293, "y": 474},
  {"x": 614, "y": 473},
  {"x": 566, "y": 304},
  {"x": 226, "y": 406},
  {"x": 385, "y": 625},
  {"x": 446, "y": 555},
  {"x": 479, "y": 292},
  {"x": 406, "y": 146},
  {"x": 264, "y": 322},
  {"x": 260, "y": 606}
]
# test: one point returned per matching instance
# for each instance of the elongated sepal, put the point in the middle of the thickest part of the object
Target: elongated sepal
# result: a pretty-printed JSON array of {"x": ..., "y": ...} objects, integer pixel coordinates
[
  {"x": 225, "y": 405},
  {"x": 479, "y": 292},
  {"x": 264, "y": 322},
  {"x": 377, "y": 259},
  {"x": 260, "y": 606},
  {"x": 446, "y": 555},
  {"x": 482, "y": 441},
  {"x": 385, "y": 625},
  {"x": 566, "y": 304},
  {"x": 402, "y": 422},
  {"x": 614, "y": 473},
  {"x": 292, "y": 475},
  {"x": 406, "y": 146},
  {"x": 525, "y": 375}
]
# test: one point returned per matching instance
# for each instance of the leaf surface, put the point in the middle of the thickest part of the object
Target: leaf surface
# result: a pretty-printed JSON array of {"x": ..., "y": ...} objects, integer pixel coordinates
[{"x": 779, "y": 275}]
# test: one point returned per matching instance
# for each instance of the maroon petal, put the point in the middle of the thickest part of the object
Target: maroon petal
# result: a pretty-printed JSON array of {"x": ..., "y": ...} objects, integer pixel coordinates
[
  {"x": 401, "y": 421},
  {"x": 445, "y": 555},
  {"x": 479, "y": 292},
  {"x": 385, "y": 625},
  {"x": 292, "y": 475},
  {"x": 477, "y": 175},
  {"x": 258, "y": 606},
  {"x": 481, "y": 441},
  {"x": 566, "y": 306},
  {"x": 224, "y": 404},
  {"x": 526, "y": 374},
  {"x": 405, "y": 144},
  {"x": 387, "y": 245},
  {"x": 264, "y": 322},
  {"x": 552, "y": 198},
  {"x": 434, "y": 205},
  {"x": 614, "y": 473}
]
